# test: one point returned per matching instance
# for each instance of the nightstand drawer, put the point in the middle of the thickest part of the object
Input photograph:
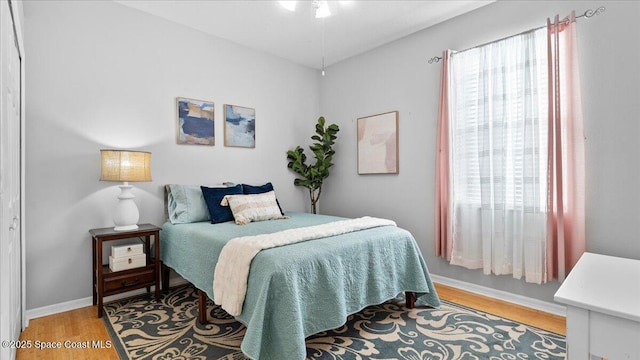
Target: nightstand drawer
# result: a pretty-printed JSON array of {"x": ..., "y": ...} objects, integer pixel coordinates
[{"x": 128, "y": 279}]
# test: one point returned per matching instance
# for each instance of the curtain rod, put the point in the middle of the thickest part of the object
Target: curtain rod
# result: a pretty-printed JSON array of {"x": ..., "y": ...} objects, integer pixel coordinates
[{"x": 587, "y": 14}]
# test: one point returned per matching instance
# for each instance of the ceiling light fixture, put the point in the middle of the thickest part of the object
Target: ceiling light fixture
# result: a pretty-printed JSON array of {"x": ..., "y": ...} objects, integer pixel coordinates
[
  {"x": 289, "y": 5},
  {"x": 322, "y": 8},
  {"x": 322, "y": 11}
]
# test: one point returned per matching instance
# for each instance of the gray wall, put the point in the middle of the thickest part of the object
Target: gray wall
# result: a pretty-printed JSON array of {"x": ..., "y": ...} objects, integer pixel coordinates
[
  {"x": 102, "y": 75},
  {"x": 398, "y": 77}
]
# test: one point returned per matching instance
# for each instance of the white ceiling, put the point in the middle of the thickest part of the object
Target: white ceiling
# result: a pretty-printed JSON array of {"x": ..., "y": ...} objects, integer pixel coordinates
[{"x": 353, "y": 28}]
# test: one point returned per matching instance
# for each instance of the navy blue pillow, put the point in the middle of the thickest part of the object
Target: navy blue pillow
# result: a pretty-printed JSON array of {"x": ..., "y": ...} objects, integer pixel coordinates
[
  {"x": 250, "y": 189},
  {"x": 213, "y": 197}
]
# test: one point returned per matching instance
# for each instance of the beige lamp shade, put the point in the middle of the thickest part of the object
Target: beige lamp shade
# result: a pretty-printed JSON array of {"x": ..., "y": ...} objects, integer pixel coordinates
[{"x": 125, "y": 165}]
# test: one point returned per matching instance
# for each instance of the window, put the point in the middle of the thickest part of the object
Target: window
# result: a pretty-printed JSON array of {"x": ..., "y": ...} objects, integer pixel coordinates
[
  {"x": 498, "y": 155},
  {"x": 510, "y": 189}
]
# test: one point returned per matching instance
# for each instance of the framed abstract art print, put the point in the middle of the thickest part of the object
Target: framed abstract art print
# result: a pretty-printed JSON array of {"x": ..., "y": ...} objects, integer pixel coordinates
[
  {"x": 378, "y": 144},
  {"x": 239, "y": 126},
  {"x": 195, "y": 122}
]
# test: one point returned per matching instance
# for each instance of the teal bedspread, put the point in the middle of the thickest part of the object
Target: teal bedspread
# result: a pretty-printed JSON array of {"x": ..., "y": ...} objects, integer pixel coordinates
[{"x": 298, "y": 290}]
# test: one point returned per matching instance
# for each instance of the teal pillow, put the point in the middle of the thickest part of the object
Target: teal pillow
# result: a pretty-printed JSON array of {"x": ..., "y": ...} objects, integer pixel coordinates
[
  {"x": 213, "y": 197},
  {"x": 186, "y": 204}
]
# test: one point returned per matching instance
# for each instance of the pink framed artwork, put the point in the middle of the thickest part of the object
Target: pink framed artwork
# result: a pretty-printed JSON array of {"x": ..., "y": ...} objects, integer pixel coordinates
[{"x": 378, "y": 144}]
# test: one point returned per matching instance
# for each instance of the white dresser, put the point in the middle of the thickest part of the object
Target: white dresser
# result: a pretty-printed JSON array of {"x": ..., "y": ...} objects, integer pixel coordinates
[{"x": 602, "y": 294}]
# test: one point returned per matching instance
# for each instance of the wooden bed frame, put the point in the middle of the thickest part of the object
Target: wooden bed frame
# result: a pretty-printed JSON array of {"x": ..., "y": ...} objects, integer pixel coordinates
[{"x": 202, "y": 296}]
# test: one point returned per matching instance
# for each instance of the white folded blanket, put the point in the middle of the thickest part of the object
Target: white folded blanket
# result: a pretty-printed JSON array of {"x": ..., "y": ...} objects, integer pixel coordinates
[{"x": 232, "y": 270}]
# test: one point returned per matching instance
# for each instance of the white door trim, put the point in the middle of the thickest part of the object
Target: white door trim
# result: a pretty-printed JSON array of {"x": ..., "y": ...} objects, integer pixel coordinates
[
  {"x": 23, "y": 131},
  {"x": 18, "y": 18}
]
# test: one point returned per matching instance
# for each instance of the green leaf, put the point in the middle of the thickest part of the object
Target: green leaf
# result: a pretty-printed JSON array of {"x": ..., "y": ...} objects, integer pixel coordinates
[{"x": 312, "y": 176}]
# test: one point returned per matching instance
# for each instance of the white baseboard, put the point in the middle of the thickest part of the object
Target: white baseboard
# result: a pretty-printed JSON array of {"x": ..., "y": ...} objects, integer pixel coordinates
[
  {"x": 545, "y": 306},
  {"x": 536, "y": 304},
  {"x": 88, "y": 301}
]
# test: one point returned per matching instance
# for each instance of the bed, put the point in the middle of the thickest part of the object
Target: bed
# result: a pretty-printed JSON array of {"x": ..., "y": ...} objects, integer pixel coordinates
[{"x": 300, "y": 289}]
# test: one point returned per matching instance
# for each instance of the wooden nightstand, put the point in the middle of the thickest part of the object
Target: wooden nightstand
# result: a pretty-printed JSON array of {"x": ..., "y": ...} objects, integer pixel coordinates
[{"x": 107, "y": 282}]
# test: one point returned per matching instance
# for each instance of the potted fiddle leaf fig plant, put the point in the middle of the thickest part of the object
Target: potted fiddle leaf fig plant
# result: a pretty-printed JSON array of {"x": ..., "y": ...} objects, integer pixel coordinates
[{"x": 313, "y": 175}]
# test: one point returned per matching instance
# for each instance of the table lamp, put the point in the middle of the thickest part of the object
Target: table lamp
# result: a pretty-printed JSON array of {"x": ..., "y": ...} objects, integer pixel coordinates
[{"x": 125, "y": 166}]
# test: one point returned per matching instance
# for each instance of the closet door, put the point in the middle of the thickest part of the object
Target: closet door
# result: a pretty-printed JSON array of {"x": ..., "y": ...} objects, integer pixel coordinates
[{"x": 10, "y": 171}]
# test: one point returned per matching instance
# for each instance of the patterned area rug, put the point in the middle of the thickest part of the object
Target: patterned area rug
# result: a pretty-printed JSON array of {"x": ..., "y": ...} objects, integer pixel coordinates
[{"x": 146, "y": 329}]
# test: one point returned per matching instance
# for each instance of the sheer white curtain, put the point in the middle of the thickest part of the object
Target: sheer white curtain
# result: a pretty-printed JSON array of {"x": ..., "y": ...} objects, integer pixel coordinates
[{"x": 498, "y": 154}]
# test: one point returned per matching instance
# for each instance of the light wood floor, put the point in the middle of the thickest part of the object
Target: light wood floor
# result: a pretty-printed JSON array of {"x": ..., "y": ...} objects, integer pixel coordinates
[{"x": 82, "y": 325}]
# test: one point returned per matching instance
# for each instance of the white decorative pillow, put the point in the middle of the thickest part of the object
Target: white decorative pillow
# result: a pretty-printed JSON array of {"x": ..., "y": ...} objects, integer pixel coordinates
[{"x": 255, "y": 207}]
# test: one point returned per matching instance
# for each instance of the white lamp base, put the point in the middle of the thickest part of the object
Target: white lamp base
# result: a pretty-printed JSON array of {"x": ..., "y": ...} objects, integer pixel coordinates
[
  {"x": 126, "y": 215},
  {"x": 125, "y": 228}
]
